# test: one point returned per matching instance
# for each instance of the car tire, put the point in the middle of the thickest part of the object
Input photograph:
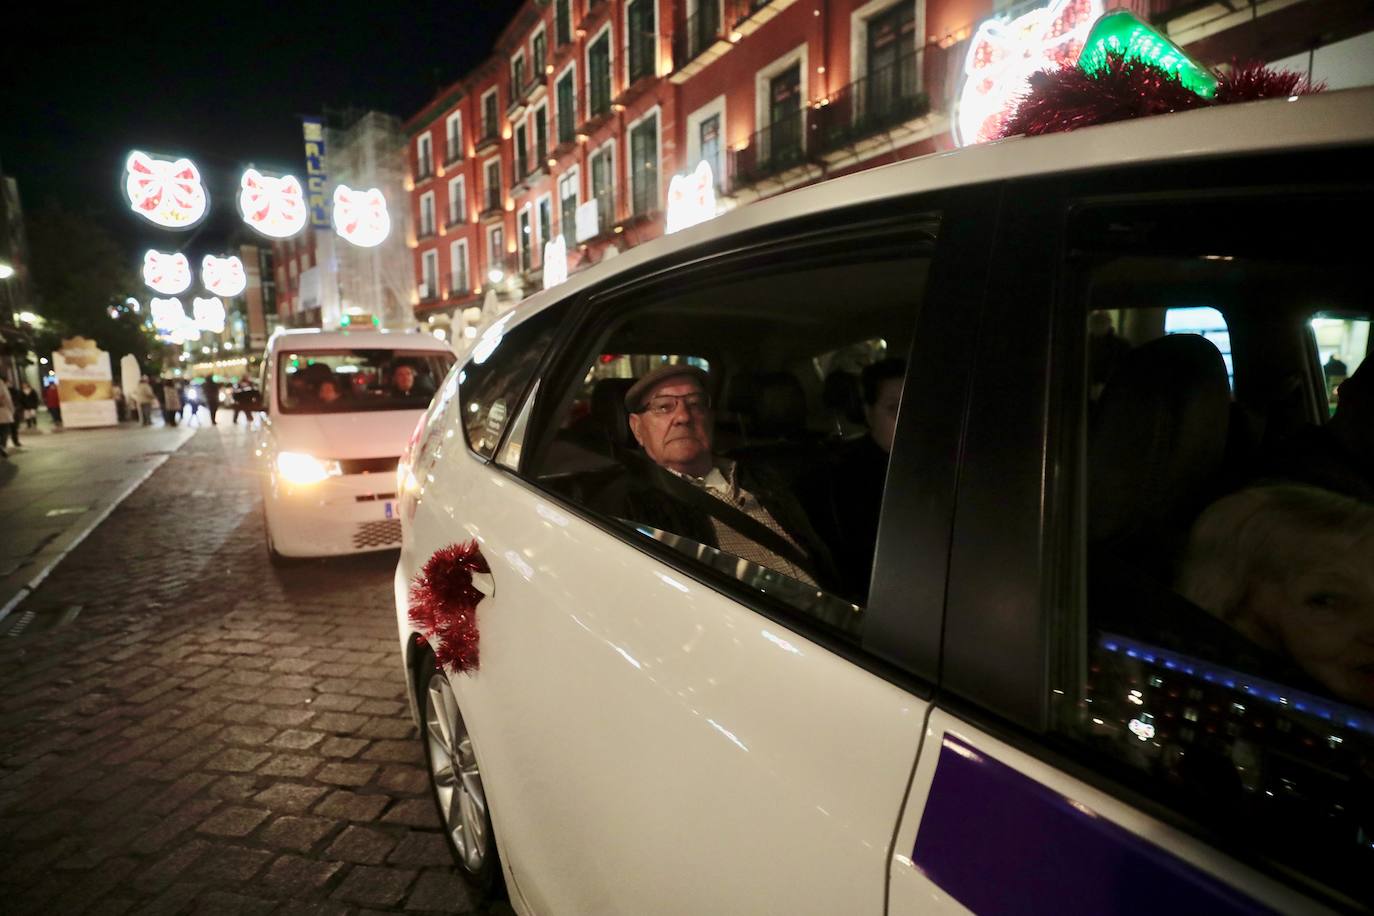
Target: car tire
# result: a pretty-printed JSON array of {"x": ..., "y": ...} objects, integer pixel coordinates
[{"x": 456, "y": 784}]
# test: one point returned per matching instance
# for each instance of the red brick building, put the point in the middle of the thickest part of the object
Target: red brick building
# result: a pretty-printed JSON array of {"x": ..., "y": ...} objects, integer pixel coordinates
[{"x": 585, "y": 110}]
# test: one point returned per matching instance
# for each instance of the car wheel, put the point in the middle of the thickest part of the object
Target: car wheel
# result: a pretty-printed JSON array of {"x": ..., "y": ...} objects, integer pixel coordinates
[{"x": 457, "y": 783}]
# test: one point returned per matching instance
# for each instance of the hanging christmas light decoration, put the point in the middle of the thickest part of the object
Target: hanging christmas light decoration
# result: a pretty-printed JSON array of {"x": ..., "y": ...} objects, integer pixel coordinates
[
  {"x": 691, "y": 198},
  {"x": 168, "y": 274},
  {"x": 209, "y": 314},
  {"x": 1003, "y": 55},
  {"x": 360, "y": 217},
  {"x": 223, "y": 276},
  {"x": 443, "y": 605},
  {"x": 169, "y": 318},
  {"x": 555, "y": 261},
  {"x": 1127, "y": 70},
  {"x": 275, "y": 207},
  {"x": 167, "y": 192}
]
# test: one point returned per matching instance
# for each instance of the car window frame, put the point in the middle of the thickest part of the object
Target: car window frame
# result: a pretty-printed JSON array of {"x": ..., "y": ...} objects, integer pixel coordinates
[
  {"x": 896, "y": 645},
  {"x": 1032, "y": 297}
]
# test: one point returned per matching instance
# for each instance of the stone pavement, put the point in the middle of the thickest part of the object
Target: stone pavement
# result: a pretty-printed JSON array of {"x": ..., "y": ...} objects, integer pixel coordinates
[
  {"x": 186, "y": 730},
  {"x": 56, "y": 487}
]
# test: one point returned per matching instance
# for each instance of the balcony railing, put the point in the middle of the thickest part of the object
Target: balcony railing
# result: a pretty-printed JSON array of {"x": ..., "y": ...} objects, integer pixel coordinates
[
  {"x": 640, "y": 55},
  {"x": 605, "y": 210},
  {"x": 424, "y": 171},
  {"x": 491, "y": 202},
  {"x": 644, "y": 191},
  {"x": 697, "y": 33},
  {"x": 490, "y": 134},
  {"x": 453, "y": 151},
  {"x": 777, "y": 148},
  {"x": 885, "y": 98},
  {"x": 599, "y": 93}
]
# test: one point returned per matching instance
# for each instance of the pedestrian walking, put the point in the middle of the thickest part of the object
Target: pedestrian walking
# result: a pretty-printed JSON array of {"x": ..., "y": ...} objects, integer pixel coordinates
[
  {"x": 6, "y": 416},
  {"x": 171, "y": 403},
  {"x": 51, "y": 401},
  {"x": 211, "y": 392},
  {"x": 147, "y": 400},
  {"x": 29, "y": 404},
  {"x": 244, "y": 395},
  {"x": 16, "y": 413}
]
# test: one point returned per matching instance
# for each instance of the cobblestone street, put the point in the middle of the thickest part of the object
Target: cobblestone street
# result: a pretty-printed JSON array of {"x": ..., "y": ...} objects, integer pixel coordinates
[{"x": 185, "y": 729}]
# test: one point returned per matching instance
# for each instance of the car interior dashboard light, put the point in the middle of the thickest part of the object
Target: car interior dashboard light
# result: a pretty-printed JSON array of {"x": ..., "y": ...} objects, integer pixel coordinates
[
  {"x": 360, "y": 217},
  {"x": 166, "y": 192},
  {"x": 223, "y": 276},
  {"x": 275, "y": 207},
  {"x": 1120, "y": 32},
  {"x": 169, "y": 274},
  {"x": 304, "y": 470}
]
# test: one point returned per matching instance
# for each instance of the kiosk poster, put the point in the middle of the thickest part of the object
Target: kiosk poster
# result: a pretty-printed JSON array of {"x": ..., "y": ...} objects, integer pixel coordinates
[{"x": 84, "y": 384}]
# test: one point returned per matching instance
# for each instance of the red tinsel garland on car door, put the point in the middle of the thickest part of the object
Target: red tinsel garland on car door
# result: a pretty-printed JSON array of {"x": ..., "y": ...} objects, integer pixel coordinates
[{"x": 443, "y": 604}]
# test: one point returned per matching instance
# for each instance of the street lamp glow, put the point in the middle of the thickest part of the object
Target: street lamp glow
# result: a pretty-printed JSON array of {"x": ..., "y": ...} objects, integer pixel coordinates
[
  {"x": 495, "y": 275},
  {"x": 6, "y": 271},
  {"x": 28, "y": 318}
]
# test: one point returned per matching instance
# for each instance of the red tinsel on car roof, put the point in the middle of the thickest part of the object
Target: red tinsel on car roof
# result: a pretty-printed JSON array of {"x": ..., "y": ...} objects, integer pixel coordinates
[{"x": 1124, "y": 88}]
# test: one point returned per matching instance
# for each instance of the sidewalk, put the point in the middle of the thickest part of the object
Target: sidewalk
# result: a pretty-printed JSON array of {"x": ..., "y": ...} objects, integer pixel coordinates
[{"x": 60, "y": 485}]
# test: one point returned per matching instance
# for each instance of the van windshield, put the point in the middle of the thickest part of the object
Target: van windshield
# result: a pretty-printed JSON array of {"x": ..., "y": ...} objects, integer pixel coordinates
[{"x": 343, "y": 381}]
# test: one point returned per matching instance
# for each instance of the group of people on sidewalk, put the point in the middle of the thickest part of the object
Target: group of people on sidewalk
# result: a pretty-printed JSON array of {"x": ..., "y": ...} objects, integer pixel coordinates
[
  {"x": 172, "y": 398},
  {"x": 18, "y": 409}
]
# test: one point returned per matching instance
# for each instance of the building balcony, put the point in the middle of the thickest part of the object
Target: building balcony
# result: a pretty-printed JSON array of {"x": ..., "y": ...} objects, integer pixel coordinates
[
  {"x": 777, "y": 148},
  {"x": 490, "y": 138},
  {"x": 425, "y": 234},
  {"x": 427, "y": 292},
  {"x": 713, "y": 31},
  {"x": 594, "y": 10},
  {"x": 492, "y": 205},
  {"x": 883, "y": 100},
  {"x": 698, "y": 33},
  {"x": 454, "y": 156},
  {"x": 424, "y": 173}
]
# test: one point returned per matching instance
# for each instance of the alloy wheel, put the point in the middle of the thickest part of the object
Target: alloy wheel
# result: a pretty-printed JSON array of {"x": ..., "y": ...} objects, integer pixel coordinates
[{"x": 457, "y": 782}]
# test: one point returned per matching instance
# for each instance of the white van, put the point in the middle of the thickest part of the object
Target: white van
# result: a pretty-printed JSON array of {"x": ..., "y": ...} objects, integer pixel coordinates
[
  {"x": 1056, "y": 589},
  {"x": 340, "y": 406}
]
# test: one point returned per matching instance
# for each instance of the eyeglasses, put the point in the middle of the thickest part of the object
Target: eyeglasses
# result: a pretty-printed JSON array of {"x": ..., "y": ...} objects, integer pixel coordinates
[{"x": 665, "y": 405}]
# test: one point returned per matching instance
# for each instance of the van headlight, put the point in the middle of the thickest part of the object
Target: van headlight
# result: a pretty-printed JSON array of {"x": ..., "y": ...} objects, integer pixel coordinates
[{"x": 300, "y": 468}]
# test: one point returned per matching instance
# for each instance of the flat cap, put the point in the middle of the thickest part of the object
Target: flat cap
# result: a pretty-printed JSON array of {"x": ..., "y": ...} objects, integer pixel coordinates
[{"x": 639, "y": 389}]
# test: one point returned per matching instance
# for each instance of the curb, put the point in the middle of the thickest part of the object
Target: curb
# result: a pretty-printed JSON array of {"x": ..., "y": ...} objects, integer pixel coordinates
[{"x": 32, "y": 585}]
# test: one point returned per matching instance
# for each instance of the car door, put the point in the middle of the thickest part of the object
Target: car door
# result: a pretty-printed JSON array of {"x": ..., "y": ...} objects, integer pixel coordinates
[
  {"x": 663, "y": 726},
  {"x": 1102, "y": 743}
]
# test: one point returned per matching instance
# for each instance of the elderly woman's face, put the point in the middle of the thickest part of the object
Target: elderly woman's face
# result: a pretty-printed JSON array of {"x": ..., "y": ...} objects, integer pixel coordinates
[{"x": 1323, "y": 617}]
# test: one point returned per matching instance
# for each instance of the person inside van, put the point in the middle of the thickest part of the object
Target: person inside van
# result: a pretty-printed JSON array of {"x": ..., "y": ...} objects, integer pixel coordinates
[
  {"x": 1291, "y": 567},
  {"x": 844, "y": 497},
  {"x": 407, "y": 383},
  {"x": 684, "y": 488},
  {"x": 328, "y": 392},
  {"x": 1339, "y": 455}
]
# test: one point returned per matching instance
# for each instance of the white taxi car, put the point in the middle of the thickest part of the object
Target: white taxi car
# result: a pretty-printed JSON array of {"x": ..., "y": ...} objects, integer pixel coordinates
[
  {"x": 340, "y": 406},
  {"x": 1085, "y": 625}
]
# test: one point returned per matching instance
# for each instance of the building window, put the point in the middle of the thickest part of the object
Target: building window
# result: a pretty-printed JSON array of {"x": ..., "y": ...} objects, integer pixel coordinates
[
  {"x": 525, "y": 239},
  {"x": 522, "y": 153},
  {"x": 539, "y": 50},
  {"x": 644, "y": 166},
  {"x": 545, "y": 220},
  {"x": 458, "y": 265},
  {"x": 562, "y": 21},
  {"x": 424, "y": 153},
  {"x": 541, "y": 135},
  {"x": 490, "y": 119},
  {"x": 567, "y": 105},
  {"x": 429, "y": 274},
  {"x": 493, "y": 185},
  {"x": 496, "y": 252},
  {"x": 599, "y": 74},
  {"x": 706, "y": 138},
  {"x": 568, "y": 199},
  {"x": 603, "y": 186},
  {"x": 426, "y": 214},
  {"x": 457, "y": 201},
  {"x": 517, "y": 76},
  {"x": 453, "y": 134},
  {"x": 891, "y": 79},
  {"x": 641, "y": 39}
]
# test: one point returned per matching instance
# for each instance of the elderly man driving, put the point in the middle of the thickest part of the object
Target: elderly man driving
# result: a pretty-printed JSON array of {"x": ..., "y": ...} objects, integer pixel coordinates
[{"x": 748, "y": 512}]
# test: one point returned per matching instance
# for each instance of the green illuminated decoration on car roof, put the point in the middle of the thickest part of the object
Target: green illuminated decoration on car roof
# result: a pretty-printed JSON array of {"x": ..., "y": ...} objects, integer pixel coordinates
[{"x": 1122, "y": 33}]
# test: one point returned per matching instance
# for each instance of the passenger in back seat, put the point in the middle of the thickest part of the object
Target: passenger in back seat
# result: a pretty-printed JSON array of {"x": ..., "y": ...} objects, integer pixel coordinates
[
  {"x": 1340, "y": 455},
  {"x": 843, "y": 498}
]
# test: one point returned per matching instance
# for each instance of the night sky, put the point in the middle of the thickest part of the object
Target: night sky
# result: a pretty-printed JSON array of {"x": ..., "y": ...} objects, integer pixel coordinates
[{"x": 225, "y": 84}]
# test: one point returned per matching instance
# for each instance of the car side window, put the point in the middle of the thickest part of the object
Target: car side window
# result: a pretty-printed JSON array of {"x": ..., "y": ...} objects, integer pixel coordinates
[
  {"x": 701, "y": 415},
  {"x": 1228, "y": 641},
  {"x": 502, "y": 363}
]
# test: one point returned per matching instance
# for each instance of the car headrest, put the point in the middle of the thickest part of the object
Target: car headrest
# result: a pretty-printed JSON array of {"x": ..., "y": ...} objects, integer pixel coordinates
[
  {"x": 608, "y": 410},
  {"x": 1158, "y": 441},
  {"x": 843, "y": 394},
  {"x": 779, "y": 405}
]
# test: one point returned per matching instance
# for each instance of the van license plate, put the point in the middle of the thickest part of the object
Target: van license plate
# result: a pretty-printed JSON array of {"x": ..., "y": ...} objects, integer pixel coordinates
[{"x": 390, "y": 509}]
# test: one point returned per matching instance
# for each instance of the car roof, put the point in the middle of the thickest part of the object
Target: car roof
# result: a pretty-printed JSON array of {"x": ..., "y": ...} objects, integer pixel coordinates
[
  {"x": 1319, "y": 120},
  {"x": 315, "y": 339}
]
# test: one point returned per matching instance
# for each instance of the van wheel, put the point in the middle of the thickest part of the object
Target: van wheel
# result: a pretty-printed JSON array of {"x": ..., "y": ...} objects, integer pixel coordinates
[{"x": 456, "y": 783}]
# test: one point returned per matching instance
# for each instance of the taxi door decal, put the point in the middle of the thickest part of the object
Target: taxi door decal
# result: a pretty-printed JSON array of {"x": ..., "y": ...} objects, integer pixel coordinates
[{"x": 999, "y": 842}]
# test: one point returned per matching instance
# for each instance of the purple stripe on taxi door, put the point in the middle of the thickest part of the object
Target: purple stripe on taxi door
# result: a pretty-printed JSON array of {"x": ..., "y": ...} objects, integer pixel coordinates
[{"x": 1000, "y": 842}]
